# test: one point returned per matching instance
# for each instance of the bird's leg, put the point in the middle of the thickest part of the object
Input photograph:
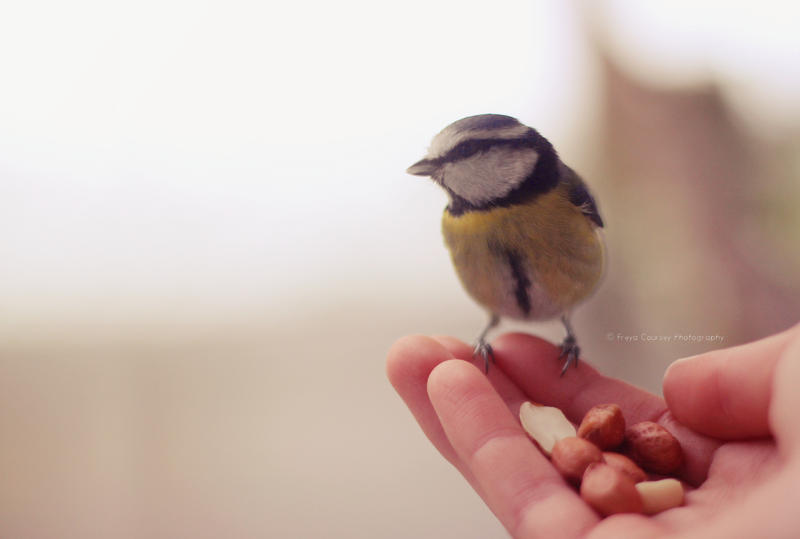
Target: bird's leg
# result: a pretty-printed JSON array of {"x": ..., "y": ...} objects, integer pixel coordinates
[
  {"x": 570, "y": 350},
  {"x": 483, "y": 348}
]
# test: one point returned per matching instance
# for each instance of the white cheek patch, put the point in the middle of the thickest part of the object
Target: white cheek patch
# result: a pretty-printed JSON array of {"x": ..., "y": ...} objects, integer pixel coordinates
[{"x": 489, "y": 175}]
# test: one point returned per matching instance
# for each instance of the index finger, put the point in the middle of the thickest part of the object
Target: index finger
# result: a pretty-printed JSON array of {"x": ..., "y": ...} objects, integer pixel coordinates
[{"x": 533, "y": 363}]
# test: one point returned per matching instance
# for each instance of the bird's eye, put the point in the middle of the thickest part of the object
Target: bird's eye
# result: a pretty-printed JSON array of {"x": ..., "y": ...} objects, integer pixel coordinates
[{"x": 465, "y": 149}]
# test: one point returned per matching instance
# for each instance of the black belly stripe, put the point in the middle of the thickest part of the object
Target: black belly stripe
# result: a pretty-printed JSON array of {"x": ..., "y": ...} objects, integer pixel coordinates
[{"x": 521, "y": 281}]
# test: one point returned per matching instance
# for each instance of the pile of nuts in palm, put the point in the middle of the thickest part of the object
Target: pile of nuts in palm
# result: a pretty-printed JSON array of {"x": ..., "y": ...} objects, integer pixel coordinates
[{"x": 606, "y": 460}]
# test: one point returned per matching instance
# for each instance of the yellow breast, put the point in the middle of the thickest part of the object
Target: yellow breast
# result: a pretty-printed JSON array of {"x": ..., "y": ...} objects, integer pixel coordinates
[{"x": 558, "y": 248}]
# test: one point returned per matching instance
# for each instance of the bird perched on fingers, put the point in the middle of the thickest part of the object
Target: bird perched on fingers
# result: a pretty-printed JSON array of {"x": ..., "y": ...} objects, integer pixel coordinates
[{"x": 522, "y": 228}]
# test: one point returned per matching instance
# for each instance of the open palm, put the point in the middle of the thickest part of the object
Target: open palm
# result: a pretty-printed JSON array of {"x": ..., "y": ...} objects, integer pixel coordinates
[{"x": 734, "y": 412}]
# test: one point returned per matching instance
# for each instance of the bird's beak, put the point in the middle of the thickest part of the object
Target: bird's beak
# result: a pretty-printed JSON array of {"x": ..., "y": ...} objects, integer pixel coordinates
[{"x": 425, "y": 167}]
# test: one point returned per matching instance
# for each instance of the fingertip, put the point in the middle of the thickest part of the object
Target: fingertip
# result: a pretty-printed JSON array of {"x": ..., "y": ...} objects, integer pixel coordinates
[
  {"x": 450, "y": 374},
  {"x": 674, "y": 368},
  {"x": 413, "y": 357},
  {"x": 698, "y": 393},
  {"x": 455, "y": 346},
  {"x": 783, "y": 411},
  {"x": 680, "y": 375}
]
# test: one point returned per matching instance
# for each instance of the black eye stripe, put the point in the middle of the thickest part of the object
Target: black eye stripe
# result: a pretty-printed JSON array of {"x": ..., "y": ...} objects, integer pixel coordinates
[{"x": 468, "y": 148}]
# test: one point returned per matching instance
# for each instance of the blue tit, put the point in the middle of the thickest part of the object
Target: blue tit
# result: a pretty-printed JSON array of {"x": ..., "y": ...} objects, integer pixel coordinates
[{"x": 522, "y": 228}]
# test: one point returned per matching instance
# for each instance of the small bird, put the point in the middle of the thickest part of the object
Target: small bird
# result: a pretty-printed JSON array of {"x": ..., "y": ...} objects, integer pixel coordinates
[{"x": 522, "y": 228}]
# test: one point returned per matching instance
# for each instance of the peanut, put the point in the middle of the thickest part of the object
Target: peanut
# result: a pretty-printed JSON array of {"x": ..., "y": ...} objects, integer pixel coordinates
[
  {"x": 609, "y": 491},
  {"x": 660, "y": 495},
  {"x": 545, "y": 424},
  {"x": 572, "y": 455},
  {"x": 653, "y": 448},
  {"x": 603, "y": 425}
]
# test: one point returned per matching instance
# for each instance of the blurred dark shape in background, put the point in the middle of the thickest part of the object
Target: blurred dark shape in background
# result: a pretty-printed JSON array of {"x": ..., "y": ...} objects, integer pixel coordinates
[{"x": 702, "y": 225}]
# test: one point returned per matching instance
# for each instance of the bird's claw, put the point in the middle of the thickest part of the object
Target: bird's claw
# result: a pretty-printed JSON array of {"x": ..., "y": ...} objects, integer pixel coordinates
[
  {"x": 484, "y": 350},
  {"x": 570, "y": 352}
]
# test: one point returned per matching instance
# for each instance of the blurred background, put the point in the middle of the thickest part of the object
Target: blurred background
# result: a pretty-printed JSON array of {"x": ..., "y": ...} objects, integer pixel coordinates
[{"x": 208, "y": 241}]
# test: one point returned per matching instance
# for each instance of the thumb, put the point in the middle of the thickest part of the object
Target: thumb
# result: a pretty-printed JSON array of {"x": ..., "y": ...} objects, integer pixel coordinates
[
  {"x": 727, "y": 393},
  {"x": 786, "y": 401}
]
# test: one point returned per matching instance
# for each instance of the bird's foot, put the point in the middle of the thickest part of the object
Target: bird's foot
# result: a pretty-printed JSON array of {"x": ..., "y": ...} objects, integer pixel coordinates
[
  {"x": 570, "y": 352},
  {"x": 484, "y": 350}
]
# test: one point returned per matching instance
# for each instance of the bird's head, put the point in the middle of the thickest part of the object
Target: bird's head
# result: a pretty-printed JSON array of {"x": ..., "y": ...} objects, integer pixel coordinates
[{"x": 482, "y": 159}]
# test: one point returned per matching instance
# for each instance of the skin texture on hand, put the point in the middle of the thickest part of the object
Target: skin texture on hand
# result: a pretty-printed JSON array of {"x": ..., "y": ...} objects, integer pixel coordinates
[{"x": 734, "y": 412}]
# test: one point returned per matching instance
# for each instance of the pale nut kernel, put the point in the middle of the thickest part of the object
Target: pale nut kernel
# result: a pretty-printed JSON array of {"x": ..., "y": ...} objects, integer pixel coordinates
[
  {"x": 660, "y": 495},
  {"x": 545, "y": 424},
  {"x": 572, "y": 455},
  {"x": 609, "y": 491},
  {"x": 653, "y": 448},
  {"x": 625, "y": 465},
  {"x": 603, "y": 425}
]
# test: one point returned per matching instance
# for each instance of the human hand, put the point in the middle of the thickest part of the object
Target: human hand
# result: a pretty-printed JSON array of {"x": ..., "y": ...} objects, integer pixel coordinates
[{"x": 734, "y": 412}]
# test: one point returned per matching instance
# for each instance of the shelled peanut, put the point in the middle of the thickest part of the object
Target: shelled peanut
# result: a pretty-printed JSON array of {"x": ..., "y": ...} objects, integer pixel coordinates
[{"x": 609, "y": 481}]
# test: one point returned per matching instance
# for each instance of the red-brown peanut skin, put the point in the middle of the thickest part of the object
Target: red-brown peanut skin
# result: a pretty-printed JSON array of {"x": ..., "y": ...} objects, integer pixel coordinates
[
  {"x": 572, "y": 455},
  {"x": 625, "y": 465},
  {"x": 653, "y": 448},
  {"x": 609, "y": 491},
  {"x": 603, "y": 425}
]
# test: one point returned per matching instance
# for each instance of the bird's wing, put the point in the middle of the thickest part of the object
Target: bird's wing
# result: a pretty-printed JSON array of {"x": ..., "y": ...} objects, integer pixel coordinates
[{"x": 580, "y": 196}]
